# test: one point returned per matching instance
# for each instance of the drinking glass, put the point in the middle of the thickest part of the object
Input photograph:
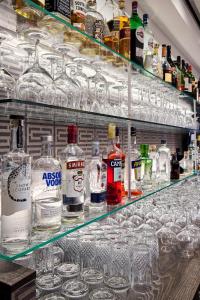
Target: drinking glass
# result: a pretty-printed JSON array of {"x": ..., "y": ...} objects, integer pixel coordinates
[
  {"x": 103, "y": 294},
  {"x": 52, "y": 296},
  {"x": 75, "y": 289}
]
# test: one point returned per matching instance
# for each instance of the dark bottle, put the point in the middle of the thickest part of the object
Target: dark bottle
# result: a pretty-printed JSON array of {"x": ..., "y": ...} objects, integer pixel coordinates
[
  {"x": 137, "y": 35},
  {"x": 172, "y": 66},
  {"x": 180, "y": 84},
  {"x": 175, "y": 167},
  {"x": 179, "y": 156},
  {"x": 191, "y": 85},
  {"x": 167, "y": 74}
]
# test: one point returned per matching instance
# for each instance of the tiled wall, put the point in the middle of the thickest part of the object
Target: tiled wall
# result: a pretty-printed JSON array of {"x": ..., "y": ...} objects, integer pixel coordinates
[{"x": 35, "y": 129}]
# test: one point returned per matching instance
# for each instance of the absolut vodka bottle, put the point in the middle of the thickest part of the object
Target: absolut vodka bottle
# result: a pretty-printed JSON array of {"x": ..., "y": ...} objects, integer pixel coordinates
[
  {"x": 16, "y": 191},
  {"x": 46, "y": 189}
]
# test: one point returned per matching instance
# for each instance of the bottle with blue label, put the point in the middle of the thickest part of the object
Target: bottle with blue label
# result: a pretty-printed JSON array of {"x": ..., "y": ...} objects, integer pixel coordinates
[
  {"x": 46, "y": 189},
  {"x": 97, "y": 172}
]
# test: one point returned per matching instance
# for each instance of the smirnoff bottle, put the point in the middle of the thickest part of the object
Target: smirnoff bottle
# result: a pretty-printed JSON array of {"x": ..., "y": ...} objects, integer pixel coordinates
[
  {"x": 97, "y": 173},
  {"x": 46, "y": 189},
  {"x": 113, "y": 158},
  {"x": 16, "y": 192},
  {"x": 73, "y": 172}
]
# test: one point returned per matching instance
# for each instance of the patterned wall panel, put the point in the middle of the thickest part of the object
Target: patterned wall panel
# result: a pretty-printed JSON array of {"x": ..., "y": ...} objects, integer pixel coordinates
[{"x": 35, "y": 129}]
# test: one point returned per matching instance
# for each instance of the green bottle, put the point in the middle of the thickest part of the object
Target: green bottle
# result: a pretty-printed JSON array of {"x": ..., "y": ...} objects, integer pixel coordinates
[
  {"x": 137, "y": 35},
  {"x": 146, "y": 167}
]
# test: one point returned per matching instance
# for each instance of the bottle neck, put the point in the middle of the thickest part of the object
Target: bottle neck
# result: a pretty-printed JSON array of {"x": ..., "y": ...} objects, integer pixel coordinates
[
  {"x": 117, "y": 141},
  {"x": 16, "y": 138},
  {"x": 47, "y": 149},
  {"x": 133, "y": 141}
]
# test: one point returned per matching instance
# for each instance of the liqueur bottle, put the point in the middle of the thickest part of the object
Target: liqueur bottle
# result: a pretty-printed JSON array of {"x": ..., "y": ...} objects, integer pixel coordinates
[
  {"x": 146, "y": 167},
  {"x": 16, "y": 191},
  {"x": 175, "y": 168},
  {"x": 180, "y": 76},
  {"x": 123, "y": 157},
  {"x": 78, "y": 14},
  {"x": 167, "y": 73},
  {"x": 135, "y": 168},
  {"x": 156, "y": 67},
  {"x": 73, "y": 178},
  {"x": 191, "y": 83},
  {"x": 46, "y": 189},
  {"x": 172, "y": 66},
  {"x": 137, "y": 35},
  {"x": 148, "y": 50},
  {"x": 153, "y": 154},
  {"x": 164, "y": 162},
  {"x": 97, "y": 173},
  {"x": 112, "y": 157}
]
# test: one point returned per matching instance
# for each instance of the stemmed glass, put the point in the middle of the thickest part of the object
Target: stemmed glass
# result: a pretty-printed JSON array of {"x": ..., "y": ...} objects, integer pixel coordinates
[
  {"x": 35, "y": 79},
  {"x": 7, "y": 82}
]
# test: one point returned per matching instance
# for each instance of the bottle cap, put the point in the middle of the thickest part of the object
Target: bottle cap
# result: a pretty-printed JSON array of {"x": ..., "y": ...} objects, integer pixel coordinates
[
  {"x": 133, "y": 131},
  {"x": 117, "y": 131},
  {"x": 121, "y": 4},
  {"x": 163, "y": 142},
  {"x": 152, "y": 148},
  {"x": 111, "y": 131},
  {"x": 134, "y": 5},
  {"x": 47, "y": 139},
  {"x": 95, "y": 148},
  {"x": 72, "y": 134},
  {"x": 145, "y": 19},
  {"x": 144, "y": 149}
]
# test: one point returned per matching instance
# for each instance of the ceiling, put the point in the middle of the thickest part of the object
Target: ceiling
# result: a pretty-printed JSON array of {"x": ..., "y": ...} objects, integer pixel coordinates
[{"x": 194, "y": 7}]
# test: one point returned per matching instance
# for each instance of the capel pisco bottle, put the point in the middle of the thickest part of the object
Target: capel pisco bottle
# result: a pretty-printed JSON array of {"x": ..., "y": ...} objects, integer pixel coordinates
[
  {"x": 137, "y": 35},
  {"x": 73, "y": 178},
  {"x": 16, "y": 191}
]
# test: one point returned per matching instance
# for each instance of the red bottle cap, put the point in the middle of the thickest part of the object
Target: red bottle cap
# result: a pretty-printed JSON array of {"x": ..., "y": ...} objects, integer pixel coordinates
[{"x": 72, "y": 134}]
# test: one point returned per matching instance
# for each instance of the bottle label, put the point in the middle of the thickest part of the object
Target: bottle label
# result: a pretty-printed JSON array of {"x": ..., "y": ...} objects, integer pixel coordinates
[
  {"x": 98, "y": 197},
  {"x": 98, "y": 30},
  {"x": 124, "y": 45},
  {"x": 168, "y": 77},
  {"x": 139, "y": 43},
  {"x": 73, "y": 181},
  {"x": 61, "y": 6},
  {"x": 47, "y": 211},
  {"x": 186, "y": 79},
  {"x": 140, "y": 34},
  {"x": 150, "y": 44},
  {"x": 116, "y": 166},
  {"x": 45, "y": 184},
  {"x": 136, "y": 166},
  {"x": 16, "y": 189},
  {"x": 79, "y": 7}
]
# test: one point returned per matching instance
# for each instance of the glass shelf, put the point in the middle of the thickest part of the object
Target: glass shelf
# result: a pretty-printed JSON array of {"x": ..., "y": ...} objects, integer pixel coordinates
[
  {"x": 83, "y": 36},
  {"x": 41, "y": 240},
  {"x": 64, "y": 115}
]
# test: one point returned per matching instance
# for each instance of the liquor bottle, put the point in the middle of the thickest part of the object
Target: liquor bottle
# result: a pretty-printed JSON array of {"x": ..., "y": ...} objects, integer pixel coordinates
[
  {"x": 94, "y": 21},
  {"x": 175, "y": 168},
  {"x": 153, "y": 154},
  {"x": 186, "y": 164},
  {"x": 112, "y": 158},
  {"x": 191, "y": 82},
  {"x": 148, "y": 45},
  {"x": 137, "y": 35},
  {"x": 136, "y": 189},
  {"x": 172, "y": 66},
  {"x": 123, "y": 157},
  {"x": 97, "y": 173},
  {"x": 73, "y": 178},
  {"x": 146, "y": 167},
  {"x": 46, "y": 189},
  {"x": 186, "y": 76},
  {"x": 58, "y": 7},
  {"x": 198, "y": 91},
  {"x": 167, "y": 74},
  {"x": 164, "y": 158},
  {"x": 180, "y": 75},
  {"x": 16, "y": 191},
  {"x": 78, "y": 14},
  {"x": 191, "y": 149},
  {"x": 156, "y": 67}
]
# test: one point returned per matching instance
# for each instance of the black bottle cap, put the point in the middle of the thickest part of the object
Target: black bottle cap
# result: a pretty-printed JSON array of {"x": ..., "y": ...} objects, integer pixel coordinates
[
  {"x": 133, "y": 131},
  {"x": 145, "y": 19},
  {"x": 163, "y": 142}
]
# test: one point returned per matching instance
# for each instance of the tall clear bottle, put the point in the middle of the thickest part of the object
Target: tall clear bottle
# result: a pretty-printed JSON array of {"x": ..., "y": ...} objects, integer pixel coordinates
[
  {"x": 73, "y": 178},
  {"x": 113, "y": 159},
  {"x": 148, "y": 44},
  {"x": 46, "y": 189},
  {"x": 136, "y": 189},
  {"x": 164, "y": 167},
  {"x": 16, "y": 191},
  {"x": 146, "y": 167},
  {"x": 97, "y": 177}
]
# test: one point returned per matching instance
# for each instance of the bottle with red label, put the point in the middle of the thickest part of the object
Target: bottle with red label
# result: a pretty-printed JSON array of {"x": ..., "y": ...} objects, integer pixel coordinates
[
  {"x": 73, "y": 174},
  {"x": 113, "y": 158}
]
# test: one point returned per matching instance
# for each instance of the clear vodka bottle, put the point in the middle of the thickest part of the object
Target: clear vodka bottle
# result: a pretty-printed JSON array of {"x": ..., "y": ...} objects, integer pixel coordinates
[
  {"x": 153, "y": 154},
  {"x": 46, "y": 189},
  {"x": 73, "y": 179},
  {"x": 16, "y": 192},
  {"x": 164, "y": 167},
  {"x": 97, "y": 173}
]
